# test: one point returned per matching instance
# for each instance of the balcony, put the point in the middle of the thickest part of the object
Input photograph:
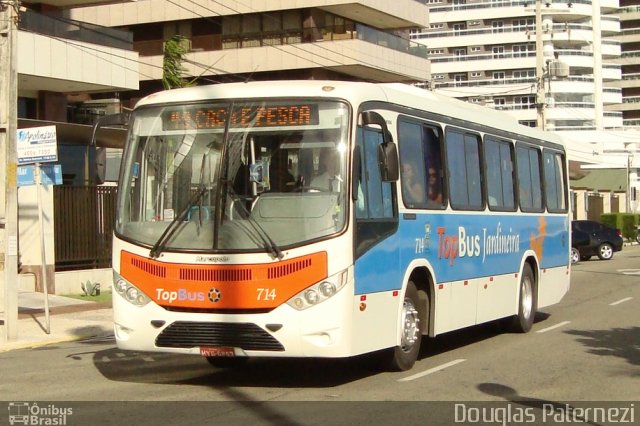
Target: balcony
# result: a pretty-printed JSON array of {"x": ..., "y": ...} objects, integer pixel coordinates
[
  {"x": 356, "y": 50},
  {"x": 380, "y": 14},
  {"x": 307, "y": 35},
  {"x": 63, "y": 55},
  {"x": 69, "y": 29}
]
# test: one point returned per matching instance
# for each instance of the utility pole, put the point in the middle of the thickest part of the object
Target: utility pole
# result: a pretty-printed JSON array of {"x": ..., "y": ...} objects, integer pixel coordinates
[
  {"x": 540, "y": 95},
  {"x": 9, "y": 10}
]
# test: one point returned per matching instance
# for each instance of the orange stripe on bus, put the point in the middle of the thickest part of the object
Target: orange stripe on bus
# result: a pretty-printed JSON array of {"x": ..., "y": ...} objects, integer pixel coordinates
[{"x": 228, "y": 286}]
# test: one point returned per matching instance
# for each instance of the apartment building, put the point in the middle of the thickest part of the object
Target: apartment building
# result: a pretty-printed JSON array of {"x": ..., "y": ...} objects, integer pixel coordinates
[
  {"x": 259, "y": 40},
  {"x": 629, "y": 37},
  {"x": 485, "y": 52},
  {"x": 67, "y": 74}
]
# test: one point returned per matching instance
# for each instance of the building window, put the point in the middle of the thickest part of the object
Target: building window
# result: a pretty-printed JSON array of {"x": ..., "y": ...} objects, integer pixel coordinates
[
  {"x": 459, "y": 78},
  {"x": 498, "y": 75},
  {"x": 528, "y": 123},
  {"x": 523, "y": 23},
  {"x": 498, "y": 51},
  {"x": 497, "y": 26},
  {"x": 459, "y": 52},
  {"x": 526, "y": 102},
  {"x": 458, "y": 28},
  {"x": 524, "y": 73},
  {"x": 475, "y": 48},
  {"x": 522, "y": 50},
  {"x": 476, "y": 74}
]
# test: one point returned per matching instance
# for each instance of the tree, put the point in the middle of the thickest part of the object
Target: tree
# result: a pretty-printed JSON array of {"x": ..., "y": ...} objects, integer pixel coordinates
[{"x": 172, "y": 69}]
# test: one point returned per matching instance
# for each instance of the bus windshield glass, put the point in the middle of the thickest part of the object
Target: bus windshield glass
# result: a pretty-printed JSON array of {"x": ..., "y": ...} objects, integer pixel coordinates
[{"x": 234, "y": 176}]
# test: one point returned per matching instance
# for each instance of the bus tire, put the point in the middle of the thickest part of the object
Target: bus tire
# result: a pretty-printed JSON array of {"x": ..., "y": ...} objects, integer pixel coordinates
[
  {"x": 527, "y": 305},
  {"x": 402, "y": 357}
]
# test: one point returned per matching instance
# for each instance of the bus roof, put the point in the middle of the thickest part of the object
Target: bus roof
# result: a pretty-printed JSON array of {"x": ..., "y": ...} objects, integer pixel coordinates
[{"x": 356, "y": 93}]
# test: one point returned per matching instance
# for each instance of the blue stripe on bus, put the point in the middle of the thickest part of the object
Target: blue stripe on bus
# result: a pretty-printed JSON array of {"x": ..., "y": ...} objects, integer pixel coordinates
[{"x": 461, "y": 247}]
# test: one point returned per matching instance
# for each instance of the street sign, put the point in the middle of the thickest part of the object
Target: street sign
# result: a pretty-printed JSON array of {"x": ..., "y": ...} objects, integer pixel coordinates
[
  {"x": 37, "y": 145},
  {"x": 51, "y": 175}
]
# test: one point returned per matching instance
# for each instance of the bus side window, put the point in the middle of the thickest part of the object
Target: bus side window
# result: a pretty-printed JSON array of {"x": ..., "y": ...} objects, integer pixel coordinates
[
  {"x": 529, "y": 174},
  {"x": 421, "y": 165},
  {"x": 554, "y": 180},
  {"x": 463, "y": 170},
  {"x": 376, "y": 217},
  {"x": 498, "y": 156}
]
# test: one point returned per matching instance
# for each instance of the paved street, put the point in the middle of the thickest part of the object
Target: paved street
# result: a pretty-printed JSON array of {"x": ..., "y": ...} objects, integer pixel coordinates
[{"x": 583, "y": 349}]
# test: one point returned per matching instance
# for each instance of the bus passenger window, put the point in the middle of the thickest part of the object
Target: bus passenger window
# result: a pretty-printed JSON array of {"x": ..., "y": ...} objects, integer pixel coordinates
[
  {"x": 499, "y": 169},
  {"x": 420, "y": 156},
  {"x": 529, "y": 183}
]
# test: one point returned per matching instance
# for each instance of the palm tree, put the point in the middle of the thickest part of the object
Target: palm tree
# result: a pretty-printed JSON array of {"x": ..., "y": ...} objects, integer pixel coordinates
[{"x": 172, "y": 69}]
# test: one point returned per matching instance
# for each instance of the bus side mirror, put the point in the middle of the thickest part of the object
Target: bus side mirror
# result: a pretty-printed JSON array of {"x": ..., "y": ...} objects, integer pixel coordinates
[
  {"x": 387, "y": 150},
  {"x": 388, "y": 162}
]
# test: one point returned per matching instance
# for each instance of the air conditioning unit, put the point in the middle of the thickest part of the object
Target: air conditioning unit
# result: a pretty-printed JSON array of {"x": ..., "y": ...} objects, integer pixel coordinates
[{"x": 558, "y": 69}]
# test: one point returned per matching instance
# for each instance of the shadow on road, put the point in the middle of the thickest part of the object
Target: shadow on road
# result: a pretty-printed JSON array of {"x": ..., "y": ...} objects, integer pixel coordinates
[{"x": 617, "y": 342}]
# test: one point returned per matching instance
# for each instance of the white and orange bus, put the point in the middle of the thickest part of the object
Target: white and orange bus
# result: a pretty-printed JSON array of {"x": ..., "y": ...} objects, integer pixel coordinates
[{"x": 331, "y": 219}]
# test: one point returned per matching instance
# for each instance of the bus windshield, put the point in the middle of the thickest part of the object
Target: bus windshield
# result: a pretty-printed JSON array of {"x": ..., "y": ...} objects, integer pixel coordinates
[{"x": 225, "y": 176}]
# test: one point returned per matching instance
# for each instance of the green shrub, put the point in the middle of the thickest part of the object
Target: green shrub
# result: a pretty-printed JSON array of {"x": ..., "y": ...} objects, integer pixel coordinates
[
  {"x": 610, "y": 219},
  {"x": 628, "y": 226},
  {"x": 625, "y": 222}
]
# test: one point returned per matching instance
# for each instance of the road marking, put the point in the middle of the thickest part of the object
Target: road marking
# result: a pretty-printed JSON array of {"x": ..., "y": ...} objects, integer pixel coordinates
[
  {"x": 432, "y": 370},
  {"x": 630, "y": 271},
  {"x": 626, "y": 299},
  {"x": 553, "y": 326}
]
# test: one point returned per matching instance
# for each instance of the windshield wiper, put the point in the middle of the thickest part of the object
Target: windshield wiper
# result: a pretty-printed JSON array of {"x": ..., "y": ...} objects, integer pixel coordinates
[
  {"x": 260, "y": 231},
  {"x": 159, "y": 246}
]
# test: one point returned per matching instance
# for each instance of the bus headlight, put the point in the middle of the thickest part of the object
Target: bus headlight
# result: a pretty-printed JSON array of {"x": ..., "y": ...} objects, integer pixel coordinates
[
  {"x": 319, "y": 292},
  {"x": 128, "y": 291}
]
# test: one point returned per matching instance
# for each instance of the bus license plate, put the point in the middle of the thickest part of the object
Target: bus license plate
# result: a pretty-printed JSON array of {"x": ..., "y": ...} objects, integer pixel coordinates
[{"x": 217, "y": 352}]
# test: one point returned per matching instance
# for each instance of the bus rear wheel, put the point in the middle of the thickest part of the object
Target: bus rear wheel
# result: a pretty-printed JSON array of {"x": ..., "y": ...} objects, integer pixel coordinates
[
  {"x": 403, "y": 356},
  {"x": 523, "y": 321}
]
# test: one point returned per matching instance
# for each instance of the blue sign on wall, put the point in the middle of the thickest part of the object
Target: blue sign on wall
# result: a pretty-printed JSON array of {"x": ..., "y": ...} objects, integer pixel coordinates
[{"x": 51, "y": 175}]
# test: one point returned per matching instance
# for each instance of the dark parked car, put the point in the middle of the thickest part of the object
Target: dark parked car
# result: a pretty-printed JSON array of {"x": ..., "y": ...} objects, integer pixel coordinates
[{"x": 589, "y": 238}]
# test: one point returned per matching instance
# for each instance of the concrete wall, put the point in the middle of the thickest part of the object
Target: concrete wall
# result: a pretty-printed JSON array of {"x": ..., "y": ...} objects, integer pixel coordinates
[{"x": 29, "y": 231}]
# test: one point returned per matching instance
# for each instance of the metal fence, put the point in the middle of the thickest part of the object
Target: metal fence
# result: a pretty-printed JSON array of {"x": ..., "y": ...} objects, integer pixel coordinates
[{"x": 84, "y": 218}]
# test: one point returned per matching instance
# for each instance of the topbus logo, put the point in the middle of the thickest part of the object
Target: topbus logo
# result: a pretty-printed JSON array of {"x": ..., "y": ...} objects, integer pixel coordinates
[
  {"x": 180, "y": 295},
  {"x": 490, "y": 242},
  {"x": 26, "y": 413}
]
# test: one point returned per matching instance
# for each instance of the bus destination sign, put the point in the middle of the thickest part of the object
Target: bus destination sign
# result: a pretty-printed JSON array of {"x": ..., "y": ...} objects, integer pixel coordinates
[{"x": 196, "y": 117}]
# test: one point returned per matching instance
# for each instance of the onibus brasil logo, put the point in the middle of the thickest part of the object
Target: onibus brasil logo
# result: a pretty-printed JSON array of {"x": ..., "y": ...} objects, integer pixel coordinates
[{"x": 30, "y": 413}]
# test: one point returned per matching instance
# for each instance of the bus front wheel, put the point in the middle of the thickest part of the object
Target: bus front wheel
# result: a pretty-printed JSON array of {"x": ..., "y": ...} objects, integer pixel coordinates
[
  {"x": 403, "y": 356},
  {"x": 523, "y": 321}
]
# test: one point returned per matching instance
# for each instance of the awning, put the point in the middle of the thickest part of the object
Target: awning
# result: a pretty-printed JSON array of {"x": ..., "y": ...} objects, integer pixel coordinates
[{"x": 80, "y": 134}]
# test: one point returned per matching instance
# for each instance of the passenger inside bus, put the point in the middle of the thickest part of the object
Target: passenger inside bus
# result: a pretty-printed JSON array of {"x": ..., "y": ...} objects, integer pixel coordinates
[
  {"x": 434, "y": 195},
  {"x": 413, "y": 188},
  {"x": 329, "y": 178},
  {"x": 280, "y": 179}
]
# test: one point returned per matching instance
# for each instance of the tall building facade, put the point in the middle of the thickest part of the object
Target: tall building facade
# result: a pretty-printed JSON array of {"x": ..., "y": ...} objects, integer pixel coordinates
[
  {"x": 629, "y": 37},
  {"x": 568, "y": 76},
  {"x": 257, "y": 39}
]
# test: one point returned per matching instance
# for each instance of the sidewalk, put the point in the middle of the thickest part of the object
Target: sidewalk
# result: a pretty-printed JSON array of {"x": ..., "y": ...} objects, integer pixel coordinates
[{"x": 70, "y": 319}]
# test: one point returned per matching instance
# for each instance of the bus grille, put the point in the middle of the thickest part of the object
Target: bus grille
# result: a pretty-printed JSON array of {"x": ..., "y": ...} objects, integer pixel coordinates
[{"x": 189, "y": 334}]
